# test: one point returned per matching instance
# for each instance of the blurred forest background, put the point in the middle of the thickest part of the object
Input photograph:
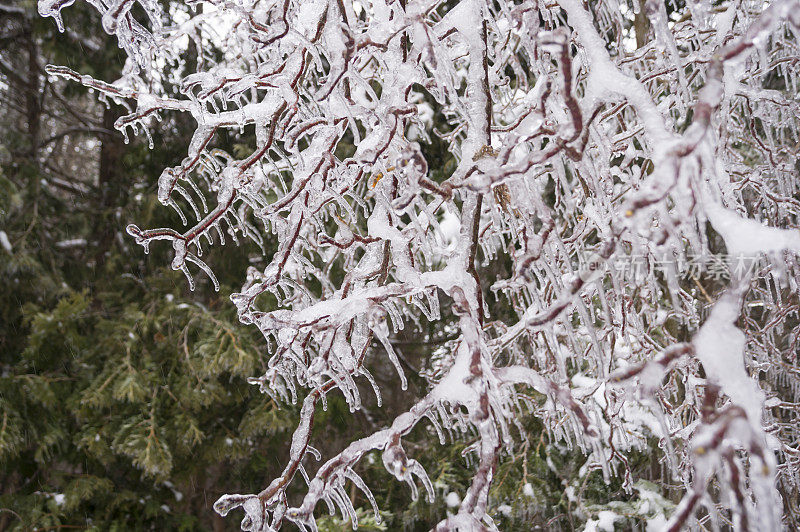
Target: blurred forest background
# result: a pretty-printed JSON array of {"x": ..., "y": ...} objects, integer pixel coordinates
[{"x": 123, "y": 396}]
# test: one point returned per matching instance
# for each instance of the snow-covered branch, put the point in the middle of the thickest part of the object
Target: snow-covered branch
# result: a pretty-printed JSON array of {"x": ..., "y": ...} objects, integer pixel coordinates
[{"x": 589, "y": 170}]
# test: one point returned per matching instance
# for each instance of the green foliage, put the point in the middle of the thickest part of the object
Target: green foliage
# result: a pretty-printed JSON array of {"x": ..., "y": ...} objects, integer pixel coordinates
[
  {"x": 123, "y": 398},
  {"x": 111, "y": 395},
  {"x": 366, "y": 522}
]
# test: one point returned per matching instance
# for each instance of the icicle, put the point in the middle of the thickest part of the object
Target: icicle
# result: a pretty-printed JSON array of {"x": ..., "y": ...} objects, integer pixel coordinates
[
  {"x": 432, "y": 418},
  {"x": 203, "y": 266},
  {"x": 189, "y": 200},
  {"x": 175, "y": 206},
  {"x": 374, "y": 385},
  {"x": 188, "y": 275},
  {"x": 392, "y": 358}
]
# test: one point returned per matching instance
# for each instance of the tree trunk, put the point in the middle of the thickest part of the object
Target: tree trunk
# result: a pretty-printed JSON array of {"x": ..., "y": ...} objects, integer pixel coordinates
[
  {"x": 641, "y": 24},
  {"x": 33, "y": 108},
  {"x": 110, "y": 185}
]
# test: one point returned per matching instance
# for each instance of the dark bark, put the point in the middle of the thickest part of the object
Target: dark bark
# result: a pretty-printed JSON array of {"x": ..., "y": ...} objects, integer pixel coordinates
[
  {"x": 33, "y": 108},
  {"x": 110, "y": 185},
  {"x": 641, "y": 25}
]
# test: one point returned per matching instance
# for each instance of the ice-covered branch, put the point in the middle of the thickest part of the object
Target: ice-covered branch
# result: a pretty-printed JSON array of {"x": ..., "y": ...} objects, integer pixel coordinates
[{"x": 608, "y": 209}]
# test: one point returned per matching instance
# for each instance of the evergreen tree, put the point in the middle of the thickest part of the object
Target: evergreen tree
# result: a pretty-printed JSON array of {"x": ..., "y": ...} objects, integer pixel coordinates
[{"x": 123, "y": 401}]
